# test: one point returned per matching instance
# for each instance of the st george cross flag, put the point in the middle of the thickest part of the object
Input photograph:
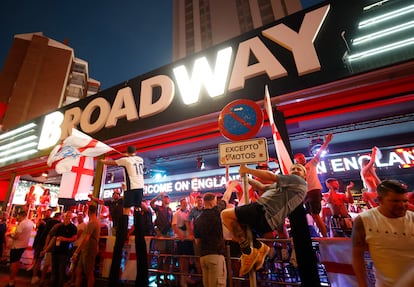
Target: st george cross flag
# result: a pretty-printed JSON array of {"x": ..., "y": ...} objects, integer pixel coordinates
[
  {"x": 77, "y": 182},
  {"x": 336, "y": 256},
  {"x": 65, "y": 155},
  {"x": 285, "y": 161}
]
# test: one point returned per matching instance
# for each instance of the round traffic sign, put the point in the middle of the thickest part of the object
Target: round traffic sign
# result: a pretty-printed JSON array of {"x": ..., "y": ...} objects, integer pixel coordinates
[{"x": 240, "y": 120}]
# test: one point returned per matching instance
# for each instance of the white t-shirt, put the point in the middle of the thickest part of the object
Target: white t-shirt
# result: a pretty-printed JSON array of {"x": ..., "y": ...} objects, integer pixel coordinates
[
  {"x": 179, "y": 219},
  {"x": 22, "y": 234},
  {"x": 312, "y": 176},
  {"x": 133, "y": 171},
  {"x": 391, "y": 244}
]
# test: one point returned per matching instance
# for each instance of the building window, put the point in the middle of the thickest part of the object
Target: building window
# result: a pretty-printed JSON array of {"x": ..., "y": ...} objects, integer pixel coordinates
[
  {"x": 74, "y": 92},
  {"x": 189, "y": 27},
  {"x": 77, "y": 79},
  {"x": 266, "y": 12},
  {"x": 79, "y": 67},
  {"x": 205, "y": 24},
  {"x": 244, "y": 15}
]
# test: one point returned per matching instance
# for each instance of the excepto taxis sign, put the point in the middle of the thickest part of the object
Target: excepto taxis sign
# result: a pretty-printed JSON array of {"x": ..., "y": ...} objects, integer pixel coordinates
[{"x": 243, "y": 152}]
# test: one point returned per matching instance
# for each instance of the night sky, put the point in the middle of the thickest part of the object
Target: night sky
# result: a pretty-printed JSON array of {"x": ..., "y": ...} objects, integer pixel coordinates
[{"x": 119, "y": 39}]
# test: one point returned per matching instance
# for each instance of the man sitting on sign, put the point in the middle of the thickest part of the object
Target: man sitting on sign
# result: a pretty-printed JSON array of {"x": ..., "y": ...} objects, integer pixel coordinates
[{"x": 267, "y": 213}]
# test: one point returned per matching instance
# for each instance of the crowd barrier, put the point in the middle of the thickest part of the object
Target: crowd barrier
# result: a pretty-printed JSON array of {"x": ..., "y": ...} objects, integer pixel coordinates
[
  {"x": 334, "y": 263},
  {"x": 277, "y": 271}
]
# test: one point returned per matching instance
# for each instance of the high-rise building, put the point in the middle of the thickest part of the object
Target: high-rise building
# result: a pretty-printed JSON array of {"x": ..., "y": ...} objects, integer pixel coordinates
[
  {"x": 39, "y": 76},
  {"x": 199, "y": 24}
]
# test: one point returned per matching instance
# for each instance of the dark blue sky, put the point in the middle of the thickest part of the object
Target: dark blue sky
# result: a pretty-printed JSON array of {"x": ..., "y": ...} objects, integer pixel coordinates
[{"x": 119, "y": 39}]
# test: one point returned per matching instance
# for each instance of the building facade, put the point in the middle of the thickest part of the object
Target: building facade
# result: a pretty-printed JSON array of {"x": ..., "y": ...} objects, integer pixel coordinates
[
  {"x": 39, "y": 76},
  {"x": 200, "y": 24}
]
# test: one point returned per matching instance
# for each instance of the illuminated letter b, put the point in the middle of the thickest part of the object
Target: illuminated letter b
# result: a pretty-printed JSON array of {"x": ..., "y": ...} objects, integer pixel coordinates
[{"x": 51, "y": 131}]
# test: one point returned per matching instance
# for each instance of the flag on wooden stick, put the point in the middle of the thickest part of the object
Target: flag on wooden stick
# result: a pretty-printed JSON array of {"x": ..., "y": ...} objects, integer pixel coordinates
[{"x": 283, "y": 156}]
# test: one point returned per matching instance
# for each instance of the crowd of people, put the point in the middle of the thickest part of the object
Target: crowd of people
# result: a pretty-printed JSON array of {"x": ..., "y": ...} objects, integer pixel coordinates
[
  {"x": 53, "y": 245},
  {"x": 198, "y": 230}
]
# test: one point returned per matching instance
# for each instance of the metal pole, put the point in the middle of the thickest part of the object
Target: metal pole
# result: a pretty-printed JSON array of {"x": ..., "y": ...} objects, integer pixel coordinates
[
  {"x": 229, "y": 269},
  {"x": 7, "y": 205},
  {"x": 252, "y": 273}
]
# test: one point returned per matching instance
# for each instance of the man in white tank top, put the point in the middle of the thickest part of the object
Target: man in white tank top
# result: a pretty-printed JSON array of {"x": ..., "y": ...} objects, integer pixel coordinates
[{"x": 387, "y": 232}]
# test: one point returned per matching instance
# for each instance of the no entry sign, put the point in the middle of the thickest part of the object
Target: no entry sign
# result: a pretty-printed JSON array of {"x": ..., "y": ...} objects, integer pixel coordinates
[{"x": 240, "y": 120}]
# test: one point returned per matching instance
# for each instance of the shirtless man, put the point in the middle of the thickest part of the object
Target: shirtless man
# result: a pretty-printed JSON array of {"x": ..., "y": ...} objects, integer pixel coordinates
[
  {"x": 370, "y": 180},
  {"x": 337, "y": 203}
]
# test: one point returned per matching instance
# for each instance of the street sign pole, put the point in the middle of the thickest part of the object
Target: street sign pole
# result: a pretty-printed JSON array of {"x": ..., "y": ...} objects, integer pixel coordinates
[
  {"x": 241, "y": 120},
  {"x": 252, "y": 273}
]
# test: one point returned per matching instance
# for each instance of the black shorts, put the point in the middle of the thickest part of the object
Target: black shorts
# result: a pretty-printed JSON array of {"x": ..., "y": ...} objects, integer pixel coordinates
[
  {"x": 253, "y": 215},
  {"x": 185, "y": 247},
  {"x": 16, "y": 254},
  {"x": 133, "y": 197},
  {"x": 313, "y": 200},
  {"x": 235, "y": 250}
]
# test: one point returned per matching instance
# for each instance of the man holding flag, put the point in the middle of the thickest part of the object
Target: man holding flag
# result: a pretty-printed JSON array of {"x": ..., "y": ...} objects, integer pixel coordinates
[
  {"x": 73, "y": 158},
  {"x": 133, "y": 166}
]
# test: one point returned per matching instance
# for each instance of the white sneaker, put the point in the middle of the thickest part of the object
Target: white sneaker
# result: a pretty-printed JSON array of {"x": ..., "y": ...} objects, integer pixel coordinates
[{"x": 35, "y": 280}]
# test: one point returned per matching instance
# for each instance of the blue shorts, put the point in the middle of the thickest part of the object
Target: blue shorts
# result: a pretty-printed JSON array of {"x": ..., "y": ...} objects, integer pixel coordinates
[{"x": 133, "y": 197}]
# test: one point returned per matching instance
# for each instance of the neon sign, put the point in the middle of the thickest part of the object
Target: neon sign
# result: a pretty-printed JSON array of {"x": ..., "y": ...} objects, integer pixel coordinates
[
  {"x": 202, "y": 184},
  {"x": 400, "y": 157}
]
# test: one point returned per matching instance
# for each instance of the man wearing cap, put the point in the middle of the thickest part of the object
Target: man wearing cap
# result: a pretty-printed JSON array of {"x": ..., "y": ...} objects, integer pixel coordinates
[
  {"x": 267, "y": 213},
  {"x": 133, "y": 166},
  {"x": 387, "y": 233}
]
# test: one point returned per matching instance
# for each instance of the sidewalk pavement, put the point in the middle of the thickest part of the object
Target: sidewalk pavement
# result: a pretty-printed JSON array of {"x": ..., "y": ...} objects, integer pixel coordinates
[{"x": 24, "y": 277}]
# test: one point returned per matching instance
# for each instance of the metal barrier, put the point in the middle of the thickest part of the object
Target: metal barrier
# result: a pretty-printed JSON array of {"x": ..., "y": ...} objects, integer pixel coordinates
[{"x": 279, "y": 268}]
